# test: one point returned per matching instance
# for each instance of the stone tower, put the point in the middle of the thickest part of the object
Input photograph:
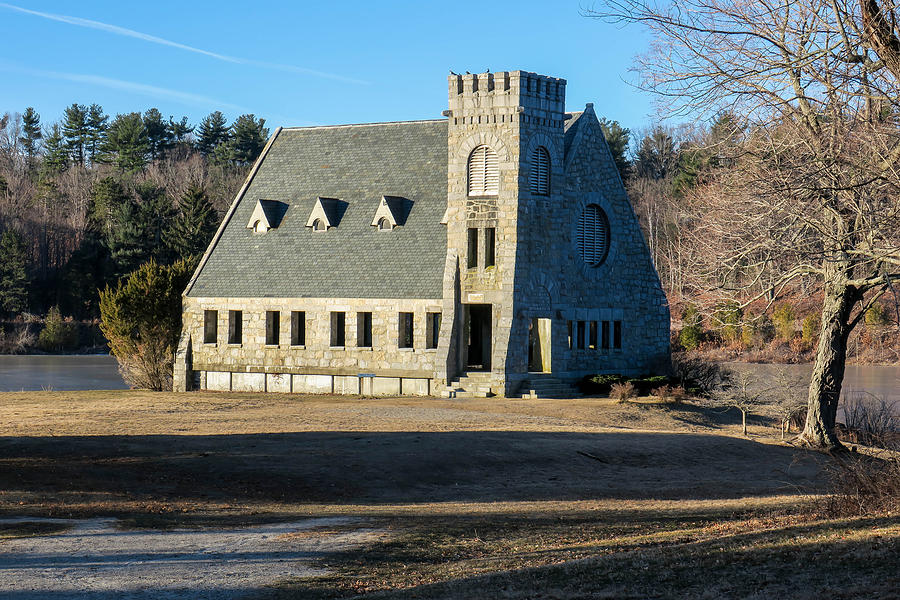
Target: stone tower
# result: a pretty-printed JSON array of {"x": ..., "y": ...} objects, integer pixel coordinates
[{"x": 505, "y": 173}]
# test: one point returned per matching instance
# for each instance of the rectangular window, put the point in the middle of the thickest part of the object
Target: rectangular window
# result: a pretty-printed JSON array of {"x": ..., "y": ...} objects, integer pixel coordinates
[
  {"x": 581, "y": 334},
  {"x": 592, "y": 341},
  {"x": 472, "y": 260},
  {"x": 235, "y": 318},
  {"x": 405, "y": 339},
  {"x": 298, "y": 328},
  {"x": 364, "y": 329},
  {"x": 489, "y": 258},
  {"x": 338, "y": 330},
  {"x": 571, "y": 336},
  {"x": 604, "y": 338},
  {"x": 432, "y": 329},
  {"x": 273, "y": 327},
  {"x": 617, "y": 335},
  {"x": 210, "y": 326}
]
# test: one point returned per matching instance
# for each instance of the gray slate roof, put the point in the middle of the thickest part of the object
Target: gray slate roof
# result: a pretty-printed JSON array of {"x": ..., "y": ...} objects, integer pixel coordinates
[{"x": 357, "y": 164}]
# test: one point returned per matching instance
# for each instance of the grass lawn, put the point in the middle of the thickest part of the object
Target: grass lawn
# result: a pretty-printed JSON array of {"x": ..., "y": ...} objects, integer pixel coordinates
[{"x": 479, "y": 498}]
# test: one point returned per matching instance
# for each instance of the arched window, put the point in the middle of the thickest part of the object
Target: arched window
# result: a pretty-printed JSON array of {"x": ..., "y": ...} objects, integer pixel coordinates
[
  {"x": 484, "y": 172},
  {"x": 539, "y": 178},
  {"x": 384, "y": 224},
  {"x": 259, "y": 227},
  {"x": 593, "y": 235},
  {"x": 319, "y": 225}
]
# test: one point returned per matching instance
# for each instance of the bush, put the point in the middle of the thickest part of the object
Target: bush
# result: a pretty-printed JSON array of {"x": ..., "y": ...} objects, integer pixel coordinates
[
  {"x": 667, "y": 393},
  {"x": 809, "y": 330},
  {"x": 58, "y": 334},
  {"x": 141, "y": 318},
  {"x": 645, "y": 385},
  {"x": 870, "y": 420},
  {"x": 757, "y": 330},
  {"x": 863, "y": 485},
  {"x": 599, "y": 384},
  {"x": 698, "y": 375},
  {"x": 726, "y": 320},
  {"x": 691, "y": 334},
  {"x": 621, "y": 392},
  {"x": 876, "y": 316},
  {"x": 783, "y": 318}
]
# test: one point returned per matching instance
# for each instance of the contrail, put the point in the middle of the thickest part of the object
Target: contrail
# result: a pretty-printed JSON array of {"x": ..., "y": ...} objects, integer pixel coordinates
[{"x": 115, "y": 29}]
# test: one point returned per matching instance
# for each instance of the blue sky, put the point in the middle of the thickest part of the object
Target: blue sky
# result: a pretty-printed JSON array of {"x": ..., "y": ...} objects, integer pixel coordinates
[{"x": 299, "y": 63}]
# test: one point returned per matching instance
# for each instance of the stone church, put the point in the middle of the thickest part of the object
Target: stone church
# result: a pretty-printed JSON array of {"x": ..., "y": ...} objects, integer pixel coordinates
[{"x": 490, "y": 252}]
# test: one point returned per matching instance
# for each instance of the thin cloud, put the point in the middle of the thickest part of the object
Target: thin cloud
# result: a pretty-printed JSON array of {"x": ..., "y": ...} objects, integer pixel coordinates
[
  {"x": 126, "y": 86},
  {"x": 115, "y": 29}
]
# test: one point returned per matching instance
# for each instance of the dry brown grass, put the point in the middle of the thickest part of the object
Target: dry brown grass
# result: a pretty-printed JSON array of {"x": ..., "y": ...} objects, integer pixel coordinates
[{"x": 479, "y": 498}]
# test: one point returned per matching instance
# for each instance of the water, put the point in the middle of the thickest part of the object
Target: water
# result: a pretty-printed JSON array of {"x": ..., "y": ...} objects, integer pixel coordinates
[
  {"x": 883, "y": 381},
  {"x": 69, "y": 372}
]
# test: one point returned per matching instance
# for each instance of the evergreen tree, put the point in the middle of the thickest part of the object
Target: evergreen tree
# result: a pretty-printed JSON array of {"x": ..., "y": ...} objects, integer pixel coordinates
[
  {"x": 13, "y": 279},
  {"x": 657, "y": 156},
  {"x": 179, "y": 130},
  {"x": 617, "y": 138},
  {"x": 88, "y": 270},
  {"x": 194, "y": 226},
  {"x": 75, "y": 130},
  {"x": 127, "y": 143},
  {"x": 159, "y": 136},
  {"x": 107, "y": 195},
  {"x": 56, "y": 154},
  {"x": 31, "y": 133},
  {"x": 211, "y": 132},
  {"x": 155, "y": 212},
  {"x": 248, "y": 138},
  {"x": 97, "y": 125},
  {"x": 128, "y": 240}
]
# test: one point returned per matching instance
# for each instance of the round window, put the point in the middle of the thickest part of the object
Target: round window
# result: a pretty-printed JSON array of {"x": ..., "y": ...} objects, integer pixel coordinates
[{"x": 592, "y": 237}]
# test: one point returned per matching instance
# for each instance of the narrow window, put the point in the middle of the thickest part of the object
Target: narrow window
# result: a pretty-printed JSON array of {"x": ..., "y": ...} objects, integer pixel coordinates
[
  {"x": 234, "y": 326},
  {"x": 571, "y": 336},
  {"x": 432, "y": 329},
  {"x": 605, "y": 335},
  {"x": 539, "y": 178},
  {"x": 592, "y": 341},
  {"x": 338, "y": 333},
  {"x": 581, "y": 334},
  {"x": 364, "y": 329},
  {"x": 273, "y": 326},
  {"x": 210, "y": 326},
  {"x": 489, "y": 247},
  {"x": 405, "y": 338},
  {"x": 298, "y": 328},
  {"x": 483, "y": 172},
  {"x": 617, "y": 335},
  {"x": 384, "y": 224},
  {"x": 472, "y": 261}
]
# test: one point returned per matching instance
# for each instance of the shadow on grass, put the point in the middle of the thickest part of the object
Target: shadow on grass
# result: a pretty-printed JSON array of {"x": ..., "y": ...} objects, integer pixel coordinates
[{"x": 395, "y": 467}]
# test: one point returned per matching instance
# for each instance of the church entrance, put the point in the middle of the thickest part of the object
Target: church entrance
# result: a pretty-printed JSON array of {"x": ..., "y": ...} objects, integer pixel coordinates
[
  {"x": 478, "y": 337},
  {"x": 539, "y": 346}
]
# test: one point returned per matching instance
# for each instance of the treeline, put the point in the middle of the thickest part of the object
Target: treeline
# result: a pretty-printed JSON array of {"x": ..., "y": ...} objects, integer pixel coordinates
[{"x": 89, "y": 198}]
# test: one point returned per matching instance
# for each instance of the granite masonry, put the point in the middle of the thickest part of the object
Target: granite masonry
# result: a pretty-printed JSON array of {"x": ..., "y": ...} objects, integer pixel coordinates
[{"x": 485, "y": 252}]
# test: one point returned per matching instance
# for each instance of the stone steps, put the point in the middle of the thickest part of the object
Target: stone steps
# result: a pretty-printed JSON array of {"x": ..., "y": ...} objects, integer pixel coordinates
[
  {"x": 472, "y": 385},
  {"x": 547, "y": 387}
]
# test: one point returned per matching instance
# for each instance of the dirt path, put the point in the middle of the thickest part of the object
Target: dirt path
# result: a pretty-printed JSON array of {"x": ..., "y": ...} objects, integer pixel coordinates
[{"x": 95, "y": 561}]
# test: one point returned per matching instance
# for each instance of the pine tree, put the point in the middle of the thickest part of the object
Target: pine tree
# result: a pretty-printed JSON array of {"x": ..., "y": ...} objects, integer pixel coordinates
[
  {"x": 107, "y": 195},
  {"x": 127, "y": 144},
  {"x": 31, "y": 133},
  {"x": 159, "y": 136},
  {"x": 97, "y": 125},
  {"x": 193, "y": 228},
  {"x": 211, "y": 132},
  {"x": 155, "y": 212},
  {"x": 248, "y": 138},
  {"x": 56, "y": 155},
  {"x": 75, "y": 130},
  {"x": 617, "y": 138},
  {"x": 128, "y": 239},
  {"x": 13, "y": 278}
]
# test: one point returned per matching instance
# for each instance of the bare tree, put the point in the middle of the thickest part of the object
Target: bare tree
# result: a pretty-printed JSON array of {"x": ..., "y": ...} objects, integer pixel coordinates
[{"x": 813, "y": 186}]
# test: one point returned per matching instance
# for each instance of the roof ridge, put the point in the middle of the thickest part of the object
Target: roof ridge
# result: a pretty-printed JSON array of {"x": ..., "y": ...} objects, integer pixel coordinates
[{"x": 364, "y": 124}]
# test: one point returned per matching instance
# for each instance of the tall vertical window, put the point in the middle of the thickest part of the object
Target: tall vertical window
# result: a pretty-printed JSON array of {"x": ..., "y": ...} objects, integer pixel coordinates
[
  {"x": 571, "y": 335},
  {"x": 539, "y": 178},
  {"x": 617, "y": 334},
  {"x": 338, "y": 330},
  {"x": 298, "y": 328},
  {"x": 592, "y": 338},
  {"x": 273, "y": 327},
  {"x": 484, "y": 172},
  {"x": 489, "y": 245},
  {"x": 592, "y": 237},
  {"x": 210, "y": 326},
  {"x": 235, "y": 318},
  {"x": 472, "y": 255},
  {"x": 581, "y": 334},
  {"x": 364, "y": 329},
  {"x": 604, "y": 338},
  {"x": 432, "y": 329},
  {"x": 405, "y": 333}
]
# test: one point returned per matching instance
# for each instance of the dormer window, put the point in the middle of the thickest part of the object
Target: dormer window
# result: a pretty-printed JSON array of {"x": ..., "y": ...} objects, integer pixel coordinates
[
  {"x": 267, "y": 214},
  {"x": 483, "y": 172},
  {"x": 384, "y": 224},
  {"x": 319, "y": 225},
  {"x": 392, "y": 212},
  {"x": 326, "y": 213}
]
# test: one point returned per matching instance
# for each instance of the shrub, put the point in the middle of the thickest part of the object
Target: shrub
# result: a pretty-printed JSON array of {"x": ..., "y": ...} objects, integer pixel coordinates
[
  {"x": 809, "y": 330},
  {"x": 757, "y": 330},
  {"x": 644, "y": 385},
  {"x": 698, "y": 375},
  {"x": 863, "y": 485},
  {"x": 876, "y": 316},
  {"x": 691, "y": 334},
  {"x": 783, "y": 318},
  {"x": 870, "y": 420},
  {"x": 621, "y": 392},
  {"x": 599, "y": 384},
  {"x": 58, "y": 334},
  {"x": 667, "y": 393},
  {"x": 141, "y": 318},
  {"x": 726, "y": 320}
]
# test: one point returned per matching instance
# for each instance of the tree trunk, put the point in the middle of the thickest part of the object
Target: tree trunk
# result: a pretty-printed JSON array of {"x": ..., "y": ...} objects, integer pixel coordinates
[{"x": 828, "y": 369}]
